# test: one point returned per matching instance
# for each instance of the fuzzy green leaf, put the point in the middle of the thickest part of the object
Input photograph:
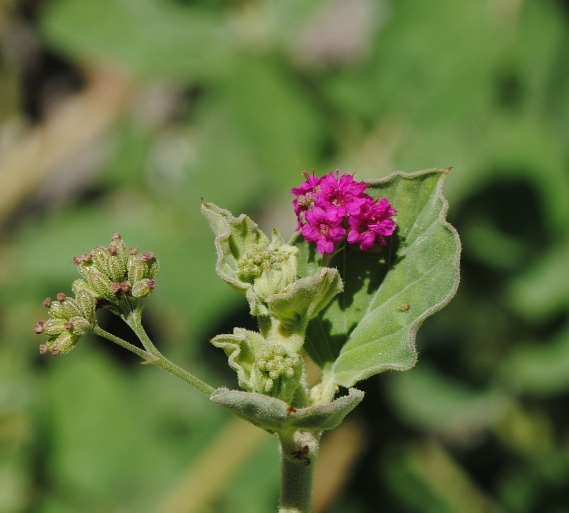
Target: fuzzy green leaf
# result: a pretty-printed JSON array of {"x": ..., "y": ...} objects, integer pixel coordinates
[
  {"x": 371, "y": 326},
  {"x": 305, "y": 297},
  {"x": 233, "y": 236},
  {"x": 273, "y": 414}
]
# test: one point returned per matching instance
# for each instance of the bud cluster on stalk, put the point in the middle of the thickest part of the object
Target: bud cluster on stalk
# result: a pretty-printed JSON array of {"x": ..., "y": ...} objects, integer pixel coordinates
[
  {"x": 113, "y": 273},
  {"x": 276, "y": 363},
  {"x": 69, "y": 319},
  {"x": 269, "y": 266},
  {"x": 113, "y": 277}
]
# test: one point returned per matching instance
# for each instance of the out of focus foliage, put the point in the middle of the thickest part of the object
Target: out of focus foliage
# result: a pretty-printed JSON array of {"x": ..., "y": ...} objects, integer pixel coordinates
[{"x": 230, "y": 101}]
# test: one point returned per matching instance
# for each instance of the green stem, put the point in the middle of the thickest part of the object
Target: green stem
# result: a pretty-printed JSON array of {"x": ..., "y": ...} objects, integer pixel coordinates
[
  {"x": 156, "y": 358},
  {"x": 327, "y": 257},
  {"x": 172, "y": 368},
  {"x": 134, "y": 320},
  {"x": 123, "y": 343},
  {"x": 299, "y": 451}
]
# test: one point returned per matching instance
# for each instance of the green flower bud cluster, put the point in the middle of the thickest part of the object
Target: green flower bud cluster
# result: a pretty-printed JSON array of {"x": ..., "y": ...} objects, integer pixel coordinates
[
  {"x": 275, "y": 362},
  {"x": 269, "y": 267},
  {"x": 69, "y": 319},
  {"x": 256, "y": 259},
  {"x": 115, "y": 273},
  {"x": 262, "y": 367},
  {"x": 112, "y": 277}
]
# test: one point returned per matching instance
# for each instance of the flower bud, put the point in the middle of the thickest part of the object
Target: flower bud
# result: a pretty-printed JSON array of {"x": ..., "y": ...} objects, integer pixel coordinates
[
  {"x": 119, "y": 258},
  {"x": 56, "y": 310},
  {"x": 142, "y": 266},
  {"x": 101, "y": 286},
  {"x": 54, "y": 327},
  {"x": 100, "y": 259},
  {"x": 269, "y": 267},
  {"x": 64, "y": 343},
  {"x": 88, "y": 305},
  {"x": 143, "y": 287},
  {"x": 70, "y": 307},
  {"x": 279, "y": 371},
  {"x": 80, "y": 326}
]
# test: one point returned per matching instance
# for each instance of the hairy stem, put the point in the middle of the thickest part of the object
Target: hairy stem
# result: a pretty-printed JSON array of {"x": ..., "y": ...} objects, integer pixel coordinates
[
  {"x": 172, "y": 368},
  {"x": 155, "y": 357},
  {"x": 123, "y": 343},
  {"x": 299, "y": 451},
  {"x": 134, "y": 320}
]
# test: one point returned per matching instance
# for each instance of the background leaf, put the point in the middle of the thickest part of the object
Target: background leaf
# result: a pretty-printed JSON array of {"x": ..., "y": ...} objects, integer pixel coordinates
[{"x": 150, "y": 37}]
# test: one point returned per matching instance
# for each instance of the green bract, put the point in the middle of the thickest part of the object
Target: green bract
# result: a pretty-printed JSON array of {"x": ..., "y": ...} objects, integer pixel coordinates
[
  {"x": 275, "y": 415},
  {"x": 270, "y": 369}
]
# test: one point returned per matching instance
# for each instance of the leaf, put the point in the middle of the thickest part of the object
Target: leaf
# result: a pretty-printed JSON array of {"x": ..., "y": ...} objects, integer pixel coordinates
[
  {"x": 306, "y": 297},
  {"x": 371, "y": 326},
  {"x": 151, "y": 38},
  {"x": 273, "y": 414},
  {"x": 541, "y": 368},
  {"x": 433, "y": 401},
  {"x": 233, "y": 235}
]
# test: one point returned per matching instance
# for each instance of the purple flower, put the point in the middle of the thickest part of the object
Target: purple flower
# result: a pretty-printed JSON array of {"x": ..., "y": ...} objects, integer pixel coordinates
[
  {"x": 372, "y": 224},
  {"x": 306, "y": 195},
  {"x": 342, "y": 192},
  {"x": 324, "y": 227},
  {"x": 329, "y": 207}
]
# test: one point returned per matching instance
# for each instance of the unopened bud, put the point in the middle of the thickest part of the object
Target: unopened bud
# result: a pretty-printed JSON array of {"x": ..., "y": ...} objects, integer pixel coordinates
[
  {"x": 71, "y": 308},
  {"x": 142, "y": 266},
  {"x": 98, "y": 283},
  {"x": 63, "y": 343},
  {"x": 88, "y": 304},
  {"x": 143, "y": 287},
  {"x": 80, "y": 326},
  {"x": 54, "y": 327}
]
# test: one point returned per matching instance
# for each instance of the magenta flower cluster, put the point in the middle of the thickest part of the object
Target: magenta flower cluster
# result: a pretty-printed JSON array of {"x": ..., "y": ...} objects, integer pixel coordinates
[{"x": 335, "y": 207}]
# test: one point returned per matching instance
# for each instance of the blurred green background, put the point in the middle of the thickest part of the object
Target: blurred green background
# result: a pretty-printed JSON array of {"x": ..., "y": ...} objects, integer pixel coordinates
[{"x": 118, "y": 115}]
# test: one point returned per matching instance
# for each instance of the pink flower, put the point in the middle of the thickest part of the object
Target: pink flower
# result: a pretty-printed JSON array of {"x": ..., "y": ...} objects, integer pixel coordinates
[
  {"x": 306, "y": 195},
  {"x": 372, "y": 224},
  {"x": 323, "y": 227},
  {"x": 343, "y": 192},
  {"x": 329, "y": 207}
]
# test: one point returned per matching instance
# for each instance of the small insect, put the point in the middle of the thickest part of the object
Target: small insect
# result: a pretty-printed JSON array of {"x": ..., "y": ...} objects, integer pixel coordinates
[
  {"x": 290, "y": 409},
  {"x": 404, "y": 308},
  {"x": 302, "y": 454}
]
